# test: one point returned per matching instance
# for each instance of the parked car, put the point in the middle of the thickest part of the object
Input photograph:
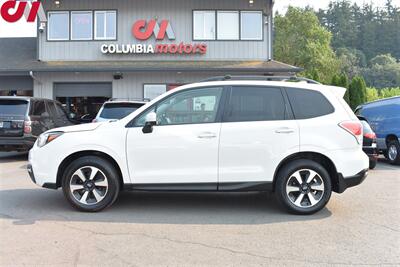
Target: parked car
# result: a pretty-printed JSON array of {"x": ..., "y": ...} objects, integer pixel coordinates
[
  {"x": 384, "y": 117},
  {"x": 299, "y": 140},
  {"x": 23, "y": 119},
  {"x": 369, "y": 143},
  {"x": 115, "y": 109}
]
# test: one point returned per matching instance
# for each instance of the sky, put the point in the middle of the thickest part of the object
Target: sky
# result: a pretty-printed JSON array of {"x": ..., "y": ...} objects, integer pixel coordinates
[{"x": 24, "y": 29}]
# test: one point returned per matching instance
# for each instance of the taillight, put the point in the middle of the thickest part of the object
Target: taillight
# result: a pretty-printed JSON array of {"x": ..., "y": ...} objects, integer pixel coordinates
[
  {"x": 27, "y": 126},
  {"x": 354, "y": 128},
  {"x": 370, "y": 135}
]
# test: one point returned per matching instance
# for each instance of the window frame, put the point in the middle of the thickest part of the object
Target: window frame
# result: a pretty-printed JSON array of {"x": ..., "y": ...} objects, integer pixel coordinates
[
  {"x": 105, "y": 23},
  {"x": 241, "y": 25},
  {"x": 68, "y": 24},
  {"x": 238, "y": 22},
  {"x": 71, "y": 28},
  {"x": 215, "y": 25},
  {"x": 288, "y": 114},
  {"x": 218, "y": 116}
]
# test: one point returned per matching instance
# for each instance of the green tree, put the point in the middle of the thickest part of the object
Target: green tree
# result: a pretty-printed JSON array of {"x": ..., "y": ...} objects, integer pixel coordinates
[
  {"x": 357, "y": 91},
  {"x": 300, "y": 40},
  {"x": 383, "y": 72}
]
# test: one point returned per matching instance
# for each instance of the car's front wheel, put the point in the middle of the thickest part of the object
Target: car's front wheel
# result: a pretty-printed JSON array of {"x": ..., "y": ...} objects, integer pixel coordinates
[
  {"x": 303, "y": 186},
  {"x": 91, "y": 183}
]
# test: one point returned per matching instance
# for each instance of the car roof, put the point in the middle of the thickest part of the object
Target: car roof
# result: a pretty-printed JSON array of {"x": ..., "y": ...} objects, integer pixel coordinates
[
  {"x": 304, "y": 85},
  {"x": 27, "y": 98},
  {"x": 125, "y": 102},
  {"x": 381, "y": 101}
]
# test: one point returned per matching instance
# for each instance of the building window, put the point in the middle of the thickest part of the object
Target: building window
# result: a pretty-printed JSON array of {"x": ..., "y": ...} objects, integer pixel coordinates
[
  {"x": 251, "y": 25},
  {"x": 204, "y": 25},
  {"x": 81, "y": 25},
  {"x": 105, "y": 25},
  {"x": 58, "y": 26},
  {"x": 228, "y": 25},
  {"x": 151, "y": 91}
]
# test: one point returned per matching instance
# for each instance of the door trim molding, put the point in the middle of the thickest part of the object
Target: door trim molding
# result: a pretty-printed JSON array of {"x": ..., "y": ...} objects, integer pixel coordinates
[{"x": 202, "y": 187}]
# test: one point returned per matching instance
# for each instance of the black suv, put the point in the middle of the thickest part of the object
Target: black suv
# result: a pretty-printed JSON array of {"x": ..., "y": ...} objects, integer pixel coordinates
[{"x": 23, "y": 119}]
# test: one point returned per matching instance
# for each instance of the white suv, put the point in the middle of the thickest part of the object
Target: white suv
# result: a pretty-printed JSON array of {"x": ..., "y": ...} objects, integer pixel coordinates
[{"x": 299, "y": 140}]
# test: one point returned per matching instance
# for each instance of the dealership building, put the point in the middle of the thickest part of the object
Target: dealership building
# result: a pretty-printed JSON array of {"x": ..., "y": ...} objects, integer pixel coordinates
[{"x": 89, "y": 51}]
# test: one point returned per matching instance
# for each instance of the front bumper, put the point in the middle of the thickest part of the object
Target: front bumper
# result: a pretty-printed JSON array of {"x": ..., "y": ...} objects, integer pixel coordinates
[
  {"x": 32, "y": 175},
  {"x": 345, "y": 182}
]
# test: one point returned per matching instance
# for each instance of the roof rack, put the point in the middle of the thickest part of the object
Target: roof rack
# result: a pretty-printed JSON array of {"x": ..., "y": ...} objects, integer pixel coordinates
[
  {"x": 129, "y": 99},
  {"x": 260, "y": 78}
]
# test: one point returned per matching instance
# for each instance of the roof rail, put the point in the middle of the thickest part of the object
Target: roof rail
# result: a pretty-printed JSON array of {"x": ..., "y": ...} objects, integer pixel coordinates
[
  {"x": 129, "y": 99},
  {"x": 259, "y": 78}
]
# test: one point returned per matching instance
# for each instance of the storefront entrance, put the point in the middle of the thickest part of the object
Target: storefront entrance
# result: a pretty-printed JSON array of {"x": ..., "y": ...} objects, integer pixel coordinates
[{"x": 83, "y": 99}]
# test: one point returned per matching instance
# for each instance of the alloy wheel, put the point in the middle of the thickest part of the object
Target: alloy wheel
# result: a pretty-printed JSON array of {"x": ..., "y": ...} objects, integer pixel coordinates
[
  {"x": 305, "y": 188},
  {"x": 392, "y": 153},
  {"x": 88, "y": 185}
]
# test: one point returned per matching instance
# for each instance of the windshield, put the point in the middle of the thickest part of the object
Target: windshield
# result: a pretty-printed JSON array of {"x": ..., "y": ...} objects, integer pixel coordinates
[
  {"x": 10, "y": 107},
  {"x": 118, "y": 110}
]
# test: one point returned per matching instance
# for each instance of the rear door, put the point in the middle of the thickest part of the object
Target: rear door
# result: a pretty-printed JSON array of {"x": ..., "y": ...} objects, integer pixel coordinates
[
  {"x": 12, "y": 116},
  {"x": 256, "y": 134}
]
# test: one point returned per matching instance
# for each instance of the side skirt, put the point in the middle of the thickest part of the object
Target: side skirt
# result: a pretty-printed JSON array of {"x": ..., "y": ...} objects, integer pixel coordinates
[{"x": 202, "y": 187}]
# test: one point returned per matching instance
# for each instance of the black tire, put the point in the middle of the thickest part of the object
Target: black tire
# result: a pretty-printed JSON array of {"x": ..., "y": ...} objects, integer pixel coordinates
[
  {"x": 286, "y": 173},
  {"x": 372, "y": 163},
  {"x": 395, "y": 144},
  {"x": 104, "y": 167}
]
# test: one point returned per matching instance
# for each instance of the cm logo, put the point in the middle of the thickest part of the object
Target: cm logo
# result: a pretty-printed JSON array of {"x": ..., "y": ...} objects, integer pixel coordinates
[
  {"x": 143, "y": 30},
  {"x": 24, "y": 8}
]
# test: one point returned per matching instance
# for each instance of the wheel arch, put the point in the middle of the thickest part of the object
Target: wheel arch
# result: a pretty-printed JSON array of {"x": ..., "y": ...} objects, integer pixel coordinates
[
  {"x": 391, "y": 137},
  {"x": 70, "y": 158},
  {"x": 326, "y": 162}
]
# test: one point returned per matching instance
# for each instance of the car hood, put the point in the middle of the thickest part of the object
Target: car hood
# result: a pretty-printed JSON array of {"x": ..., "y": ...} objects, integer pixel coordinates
[{"x": 78, "y": 128}]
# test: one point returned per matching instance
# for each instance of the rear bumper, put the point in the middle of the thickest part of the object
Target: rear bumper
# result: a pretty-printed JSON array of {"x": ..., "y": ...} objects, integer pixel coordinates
[
  {"x": 23, "y": 143},
  {"x": 350, "y": 181}
]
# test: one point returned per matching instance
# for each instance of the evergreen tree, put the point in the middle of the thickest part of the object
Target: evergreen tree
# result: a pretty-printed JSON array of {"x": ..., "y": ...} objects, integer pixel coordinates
[{"x": 357, "y": 92}]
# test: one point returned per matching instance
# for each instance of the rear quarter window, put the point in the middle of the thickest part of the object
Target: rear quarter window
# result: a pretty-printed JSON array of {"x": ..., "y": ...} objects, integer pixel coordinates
[{"x": 308, "y": 104}]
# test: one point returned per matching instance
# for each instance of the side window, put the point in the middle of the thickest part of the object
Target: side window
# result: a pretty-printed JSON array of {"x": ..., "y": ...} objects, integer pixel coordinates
[
  {"x": 60, "y": 111},
  {"x": 38, "y": 108},
  {"x": 308, "y": 104},
  {"x": 51, "y": 109},
  {"x": 248, "y": 103},
  {"x": 187, "y": 107}
]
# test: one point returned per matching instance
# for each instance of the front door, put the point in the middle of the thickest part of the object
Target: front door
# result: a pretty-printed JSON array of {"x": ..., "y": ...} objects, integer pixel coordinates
[{"x": 183, "y": 146}]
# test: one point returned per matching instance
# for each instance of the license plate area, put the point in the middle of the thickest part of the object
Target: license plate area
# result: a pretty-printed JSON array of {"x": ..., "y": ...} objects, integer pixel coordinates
[{"x": 5, "y": 124}]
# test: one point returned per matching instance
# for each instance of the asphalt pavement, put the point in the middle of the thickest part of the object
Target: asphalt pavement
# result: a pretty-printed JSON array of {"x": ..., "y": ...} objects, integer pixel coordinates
[{"x": 38, "y": 227}]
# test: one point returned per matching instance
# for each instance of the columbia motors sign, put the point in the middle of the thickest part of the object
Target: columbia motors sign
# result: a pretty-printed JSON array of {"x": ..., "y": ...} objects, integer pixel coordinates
[{"x": 143, "y": 30}]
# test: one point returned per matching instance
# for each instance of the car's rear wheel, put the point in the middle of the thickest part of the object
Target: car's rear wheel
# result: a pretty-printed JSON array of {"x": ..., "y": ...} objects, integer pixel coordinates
[
  {"x": 303, "y": 186},
  {"x": 372, "y": 163},
  {"x": 393, "y": 152},
  {"x": 91, "y": 183}
]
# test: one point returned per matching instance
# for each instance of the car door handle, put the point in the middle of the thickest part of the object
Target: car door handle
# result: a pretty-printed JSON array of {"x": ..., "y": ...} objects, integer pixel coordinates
[
  {"x": 206, "y": 135},
  {"x": 285, "y": 130}
]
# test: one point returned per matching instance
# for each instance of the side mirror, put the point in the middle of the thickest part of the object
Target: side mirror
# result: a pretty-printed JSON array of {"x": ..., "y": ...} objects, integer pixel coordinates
[{"x": 151, "y": 120}]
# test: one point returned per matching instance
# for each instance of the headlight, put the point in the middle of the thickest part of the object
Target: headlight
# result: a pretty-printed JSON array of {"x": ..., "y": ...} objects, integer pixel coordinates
[{"x": 46, "y": 138}]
